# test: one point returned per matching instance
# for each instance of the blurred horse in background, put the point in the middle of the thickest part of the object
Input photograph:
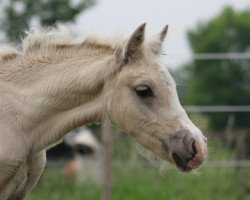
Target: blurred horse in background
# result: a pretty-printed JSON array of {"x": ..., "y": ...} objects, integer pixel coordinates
[{"x": 58, "y": 82}]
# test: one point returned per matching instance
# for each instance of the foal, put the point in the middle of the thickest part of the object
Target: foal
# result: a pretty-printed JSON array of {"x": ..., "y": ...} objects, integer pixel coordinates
[{"x": 58, "y": 82}]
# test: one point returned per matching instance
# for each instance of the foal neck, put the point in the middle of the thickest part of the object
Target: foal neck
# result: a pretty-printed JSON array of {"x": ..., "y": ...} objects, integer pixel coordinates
[
  {"x": 58, "y": 82},
  {"x": 60, "y": 96}
]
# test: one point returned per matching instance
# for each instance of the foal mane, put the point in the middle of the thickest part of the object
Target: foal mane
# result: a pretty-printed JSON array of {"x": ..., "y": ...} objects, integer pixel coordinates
[{"x": 58, "y": 43}]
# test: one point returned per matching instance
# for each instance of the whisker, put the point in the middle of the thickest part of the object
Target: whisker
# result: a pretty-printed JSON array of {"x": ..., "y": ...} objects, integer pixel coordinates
[
  {"x": 196, "y": 172},
  {"x": 152, "y": 158},
  {"x": 181, "y": 84}
]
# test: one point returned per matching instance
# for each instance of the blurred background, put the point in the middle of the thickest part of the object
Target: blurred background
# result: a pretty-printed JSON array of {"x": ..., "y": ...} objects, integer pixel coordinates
[{"x": 208, "y": 54}]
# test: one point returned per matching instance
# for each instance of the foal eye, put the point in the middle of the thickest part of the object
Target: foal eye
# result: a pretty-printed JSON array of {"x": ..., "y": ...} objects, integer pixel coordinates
[{"x": 143, "y": 91}]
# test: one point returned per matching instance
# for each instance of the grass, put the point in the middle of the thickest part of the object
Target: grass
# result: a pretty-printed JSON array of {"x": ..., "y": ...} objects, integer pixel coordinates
[{"x": 133, "y": 182}]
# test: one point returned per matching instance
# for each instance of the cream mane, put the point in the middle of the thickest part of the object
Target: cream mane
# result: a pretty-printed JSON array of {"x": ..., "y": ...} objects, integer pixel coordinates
[
  {"x": 59, "y": 43},
  {"x": 61, "y": 37},
  {"x": 42, "y": 44},
  {"x": 8, "y": 53}
]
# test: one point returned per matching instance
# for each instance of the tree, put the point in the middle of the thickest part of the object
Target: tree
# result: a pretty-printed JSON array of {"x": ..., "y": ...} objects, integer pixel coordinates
[
  {"x": 19, "y": 14},
  {"x": 220, "y": 82}
]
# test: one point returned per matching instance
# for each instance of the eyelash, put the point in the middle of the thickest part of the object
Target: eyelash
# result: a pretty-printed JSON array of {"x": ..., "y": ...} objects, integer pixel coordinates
[{"x": 144, "y": 91}]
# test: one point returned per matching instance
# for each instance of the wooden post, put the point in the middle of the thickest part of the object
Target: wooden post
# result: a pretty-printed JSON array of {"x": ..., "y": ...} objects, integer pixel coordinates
[
  {"x": 107, "y": 146},
  {"x": 241, "y": 154}
]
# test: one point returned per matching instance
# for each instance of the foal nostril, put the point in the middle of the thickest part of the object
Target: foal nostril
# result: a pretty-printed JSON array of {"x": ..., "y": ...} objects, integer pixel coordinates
[
  {"x": 195, "y": 151},
  {"x": 189, "y": 144}
]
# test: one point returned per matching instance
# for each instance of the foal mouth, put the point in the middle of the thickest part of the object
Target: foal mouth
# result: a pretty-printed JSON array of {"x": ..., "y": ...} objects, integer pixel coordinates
[
  {"x": 188, "y": 164},
  {"x": 180, "y": 163}
]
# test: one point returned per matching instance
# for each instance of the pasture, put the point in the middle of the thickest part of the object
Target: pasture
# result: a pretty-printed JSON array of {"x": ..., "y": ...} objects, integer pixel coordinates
[
  {"x": 133, "y": 178},
  {"x": 133, "y": 182}
]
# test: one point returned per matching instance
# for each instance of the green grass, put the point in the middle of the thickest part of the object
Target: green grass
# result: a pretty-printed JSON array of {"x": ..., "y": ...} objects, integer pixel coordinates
[
  {"x": 53, "y": 186},
  {"x": 132, "y": 182}
]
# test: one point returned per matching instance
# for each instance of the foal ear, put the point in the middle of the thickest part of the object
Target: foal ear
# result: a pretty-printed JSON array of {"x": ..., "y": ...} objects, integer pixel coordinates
[
  {"x": 163, "y": 33},
  {"x": 132, "y": 48},
  {"x": 156, "y": 45}
]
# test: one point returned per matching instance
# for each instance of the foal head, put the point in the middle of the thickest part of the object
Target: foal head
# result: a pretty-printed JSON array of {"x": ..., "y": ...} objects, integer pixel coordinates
[{"x": 145, "y": 104}]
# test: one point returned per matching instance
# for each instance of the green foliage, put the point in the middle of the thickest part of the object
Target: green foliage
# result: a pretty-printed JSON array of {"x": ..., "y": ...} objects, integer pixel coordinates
[
  {"x": 220, "y": 82},
  {"x": 19, "y": 13}
]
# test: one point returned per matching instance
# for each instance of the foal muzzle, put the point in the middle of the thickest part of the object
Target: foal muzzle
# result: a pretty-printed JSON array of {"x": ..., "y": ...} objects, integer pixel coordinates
[{"x": 186, "y": 151}]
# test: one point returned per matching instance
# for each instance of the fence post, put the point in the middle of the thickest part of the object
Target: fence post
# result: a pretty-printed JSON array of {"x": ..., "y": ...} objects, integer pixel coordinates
[{"x": 107, "y": 146}]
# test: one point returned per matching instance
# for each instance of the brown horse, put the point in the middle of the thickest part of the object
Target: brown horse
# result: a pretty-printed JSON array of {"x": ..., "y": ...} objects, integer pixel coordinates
[{"x": 58, "y": 82}]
